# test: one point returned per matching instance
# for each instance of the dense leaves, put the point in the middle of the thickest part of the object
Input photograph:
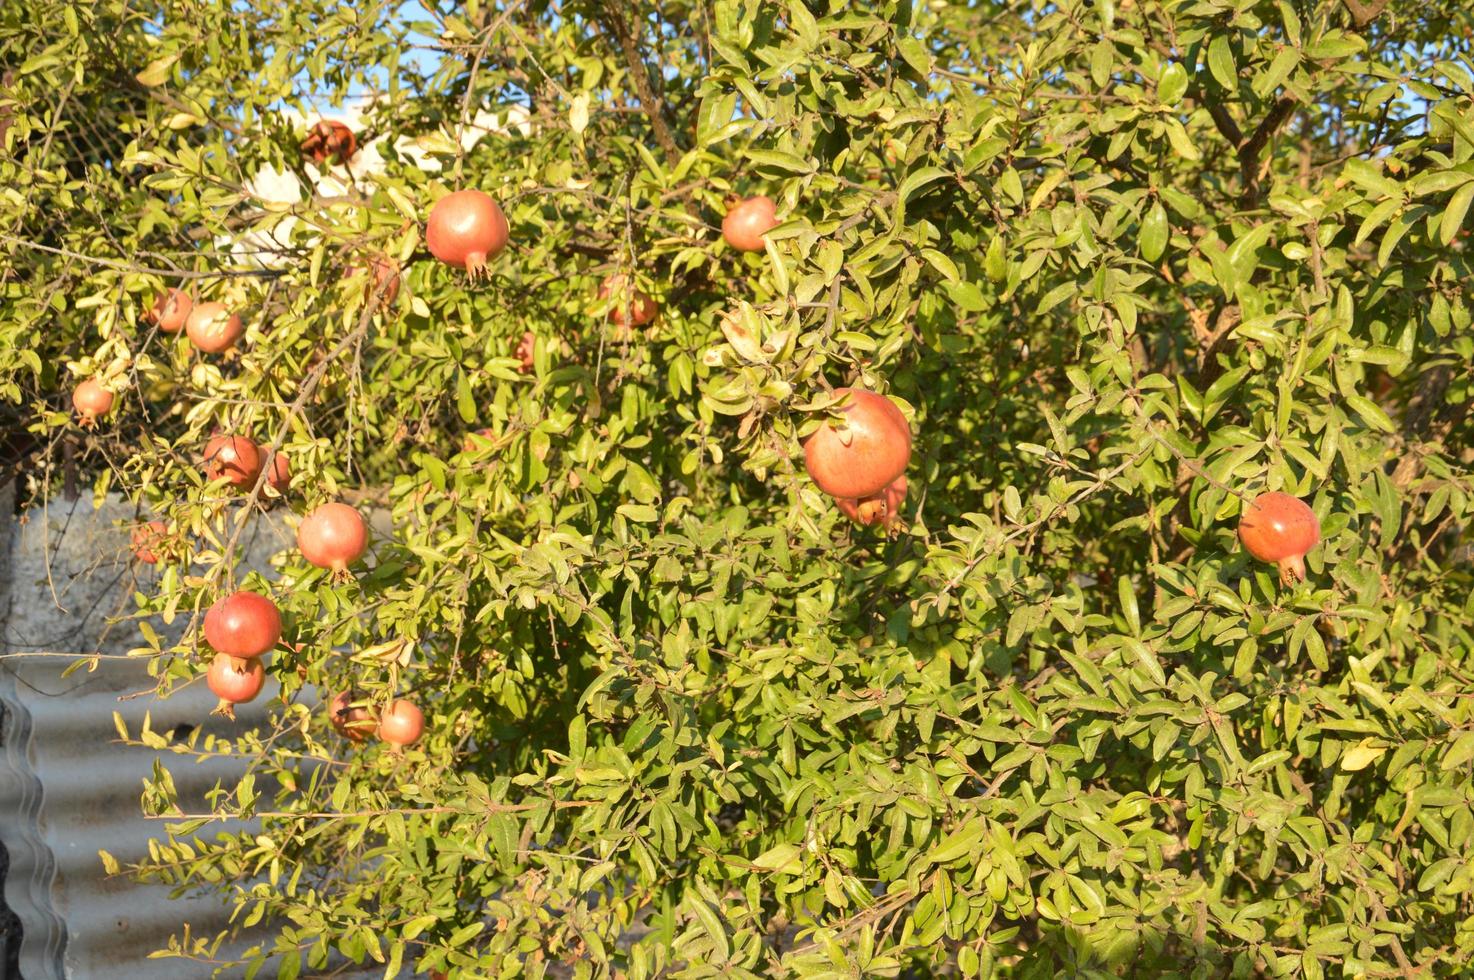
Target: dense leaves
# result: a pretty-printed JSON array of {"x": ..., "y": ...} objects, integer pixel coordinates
[{"x": 1124, "y": 266}]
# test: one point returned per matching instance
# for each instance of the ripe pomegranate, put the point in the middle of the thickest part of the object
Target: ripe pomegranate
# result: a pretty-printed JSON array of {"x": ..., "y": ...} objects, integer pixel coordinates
[
  {"x": 526, "y": 349},
  {"x": 401, "y": 723},
  {"x": 465, "y": 229},
  {"x": 149, "y": 541},
  {"x": 385, "y": 272},
  {"x": 748, "y": 221},
  {"x": 880, "y": 508},
  {"x": 867, "y": 455},
  {"x": 331, "y": 140},
  {"x": 353, "y": 722},
  {"x": 244, "y": 624},
  {"x": 1280, "y": 528},
  {"x": 234, "y": 681},
  {"x": 279, "y": 472},
  {"x": 468, "y": 445},
  {"x": 641, "y": 307},
  {"x": 170, "y": 311},
  {"x": 235, "y": 458},
  {"x": 212, "y": 328},
  {"x": 91, "y": 400},
  {"x": 333, "y": 536}
]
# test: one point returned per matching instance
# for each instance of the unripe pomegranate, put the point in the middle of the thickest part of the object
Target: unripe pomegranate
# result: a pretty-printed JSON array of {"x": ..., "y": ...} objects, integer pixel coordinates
[
  {"x": 466, "y": 229},
  {"x": 333, "y": 536},
  {"x": 170, "y": 311},
  {"x": 244, "y": 624},
  {"x": 330, "y": 140},
  {"x": 149, "y": 540},
  {"x": 91, "y": 400},
  {"x": 385, "y": 273},
  {"x": 279, "y": 472},
  {"x": 235, "y": 458},
  {"x": 641, "y": 307},
  {"x": 748, "y": 221},
  {"x": 234, "y": 681},
  {"x": 880, "y": 508},
  {"x": 1280, "y": 528},
  {"x": 401, "y": 723},
  {"x": 867, "y": 455},
  {"x": 212, "y": 328},
  {"x": 353, "y": 722}
]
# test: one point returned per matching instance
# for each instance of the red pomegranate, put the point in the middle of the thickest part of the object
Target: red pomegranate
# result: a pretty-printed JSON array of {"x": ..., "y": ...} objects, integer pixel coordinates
[
  {"x": 333, "y": 536},
  {"x": 149, "y": 541},
  {"x": 748, "y": 221},
  {"x": 212, "y": 328},
  {"x": 244, "y": 624},
  {"x": 526, "y": 352},
  {"x": 641, "y": 307},
  {"x": 352, "y": 721},
  {"x": 1280, "y": 528},
  {"x": 867, "y": 455},
  {"x": 401, "y": 723},
  {"x": 279, "y": 472},
  {"x": 385, "y": 273},
  {"x": 91, "y": 400},
  {"x": 466, "y": 229},
  {"x": 330, "y": 140},
  {"x": 170, "y": 311},
  {"x": 235, "y": 458},
  {"x": 234, "y": 681},
  {"x": 468, "y": 445},
  {"x": 880, "y": 508}
]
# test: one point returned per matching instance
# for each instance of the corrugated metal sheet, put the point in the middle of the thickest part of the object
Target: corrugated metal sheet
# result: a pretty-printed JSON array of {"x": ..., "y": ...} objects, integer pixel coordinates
[{"x": 67, "y": 788}]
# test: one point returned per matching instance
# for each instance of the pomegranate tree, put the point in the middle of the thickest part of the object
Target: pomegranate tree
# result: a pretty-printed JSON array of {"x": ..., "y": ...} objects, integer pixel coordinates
[
  {"x": 333, "y": 536},
  {"x": 867, "y": 454},
  {"x": 92, "y": 401},
  {"x": 243, "y": 624},
  {"x": 234, "y": 681},
  {"x": 1280, "y": 528},
  {"x": 233, "y": 458},
  {"x": 401, "y": 723},
  {"x": 212, "y": 328},
  {"x": 466, "y": 229},
  {"x": 170, "y": 311},
  {"x": 748, "y": 221}
]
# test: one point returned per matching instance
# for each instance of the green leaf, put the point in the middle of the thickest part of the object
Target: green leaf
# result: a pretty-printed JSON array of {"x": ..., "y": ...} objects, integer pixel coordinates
[
  {"x": 1221, "y": 63},
  {"x": 1153, "y": 238}
]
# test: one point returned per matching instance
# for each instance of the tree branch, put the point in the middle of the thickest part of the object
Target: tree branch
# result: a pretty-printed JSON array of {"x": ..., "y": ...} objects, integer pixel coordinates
[
  {"x": 650, "y": 101},
  {"x": 1364, "y": 13},
  {"x": 1251, "y": 148}
]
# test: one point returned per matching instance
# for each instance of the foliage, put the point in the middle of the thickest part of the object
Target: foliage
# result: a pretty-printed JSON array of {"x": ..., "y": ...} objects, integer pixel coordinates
[{"x": 1125, "y": 263}]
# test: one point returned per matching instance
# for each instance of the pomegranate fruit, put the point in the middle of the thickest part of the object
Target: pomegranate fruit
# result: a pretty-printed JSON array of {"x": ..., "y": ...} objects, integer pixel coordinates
[
  {"x": 867, "y": 455},
  {"x": 748, "y": 221},
  {"x": 91, "y": 400},
  {"x": 279, "y": 472},
  {"x": 234, "y": 681},
  {"x": 1280, "y": 528},
  {"x": 333, "y": 536},
  {"x": 465, "y": 229},
  {"x": 880, "y": 508},
  {"x": 526, "y": 349},
  {"x": 468, "y": 445},
  {"x": 385, "y": 281},
  {"x": 329, "y": 140},
  {"x": 244, "y": 624},
  {"x": 235, "y": 458},
  {"x": 212, "y": 328},
  {"x": 170, "y": 311},
  {"x": 401, "y": 723},
  {"x": 352, "y": 721},
  {"x": 149, "y": 540},
  {"x": 641, "y": 308}
]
